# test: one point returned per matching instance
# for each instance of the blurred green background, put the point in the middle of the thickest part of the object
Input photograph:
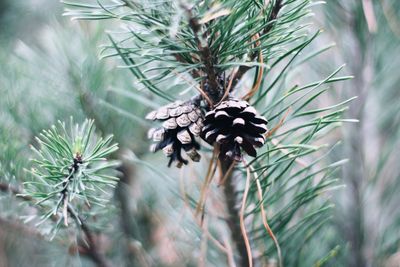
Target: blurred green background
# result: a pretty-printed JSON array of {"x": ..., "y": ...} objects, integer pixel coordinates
[{"x": 50, "y": 70}]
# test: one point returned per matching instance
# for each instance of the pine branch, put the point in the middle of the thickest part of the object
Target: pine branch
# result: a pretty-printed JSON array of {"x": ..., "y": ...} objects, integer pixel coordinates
[
  {"x": 72, "y": 170},
  {"x": 93, "y": 251},
  {"x": 69, "y": 164},
  {"x": 205, "y": 55},
  {"x": 229, "y": 186},
  {"x": 270, "y": 24},
  {"x": 273, "y": 16},
  {"x": 195, "y": 74},
  {"x": 73, "y": 162},
  {"x": 126, "y": 171},
  {"x": 92, "y": 245}
]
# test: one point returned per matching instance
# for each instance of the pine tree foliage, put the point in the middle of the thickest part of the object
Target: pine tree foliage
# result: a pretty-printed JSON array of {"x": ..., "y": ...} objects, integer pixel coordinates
[
  {"x": 71, "y": 171},
  {"x": 162, "y": 217},
  {"x": 160, "y": 39},
  {"x": 177, "y": 49},
  {"x": 44, "y": 90}
]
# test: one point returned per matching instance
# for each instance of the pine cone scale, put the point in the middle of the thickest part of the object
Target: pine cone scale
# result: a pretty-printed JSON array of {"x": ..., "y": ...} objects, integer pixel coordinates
[
  {"x": 181, "y": 123},
  {"x": 235, "y": 125}
]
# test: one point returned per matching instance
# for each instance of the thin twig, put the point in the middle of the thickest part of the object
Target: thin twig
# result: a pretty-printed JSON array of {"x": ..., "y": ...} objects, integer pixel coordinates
[
  {"x": 369, "y": 14},
  {"x": 203, "y": 247},
  {"x": 77, "y": 160},
  {"x": 273, "y": 16},
  {"x": 65, "y": 215},
  {"x": 92, "y": 245},
  {"x": 260, "y": 74},
  {"x": 229, "y": 253},
  {"x": 223, "y": 179},
  {"x": 241, "y": 216}
]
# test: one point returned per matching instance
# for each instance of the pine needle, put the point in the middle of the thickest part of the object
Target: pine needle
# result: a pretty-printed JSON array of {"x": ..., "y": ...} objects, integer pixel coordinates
[
  {"x": 260, "y": 73},
  {"x": 227, "y": 174},
  {"x": 279, "y": 125},
  {"x": 264, "y": 218},
  {"x": 195, "y": 217},
  {"x": 203, "y": 246},
  {"x": 206, "y": 97},
  {"x": 229, "y": 252},
  {"x": 210, "y": 174},
  {"x": 242, "y": 210}
]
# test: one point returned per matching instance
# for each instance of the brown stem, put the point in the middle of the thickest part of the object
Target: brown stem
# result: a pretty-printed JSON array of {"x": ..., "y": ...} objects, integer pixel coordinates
[
  {"x": 94, "y": 251},
  {"x": 233, "y": 207},
  {"x": 206, "y": 56},
  {"x": 273, "y": 15}
]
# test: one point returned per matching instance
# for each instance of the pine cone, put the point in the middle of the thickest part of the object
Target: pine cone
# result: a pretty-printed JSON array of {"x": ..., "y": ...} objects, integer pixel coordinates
[
  {"x": 182, "y": 122},
  {"x": 234, "y": 124}
]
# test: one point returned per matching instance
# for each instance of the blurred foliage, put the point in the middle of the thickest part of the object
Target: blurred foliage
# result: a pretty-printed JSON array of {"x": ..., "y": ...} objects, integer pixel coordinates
[
  {"x": 22, "y": 19},
  {"x": 367, "y": 223}
]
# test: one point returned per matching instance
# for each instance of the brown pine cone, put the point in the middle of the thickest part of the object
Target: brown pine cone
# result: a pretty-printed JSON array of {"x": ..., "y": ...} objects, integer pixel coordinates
[
  {"x": 234, "y": 124},
  {"x": 182, "y": 122}
]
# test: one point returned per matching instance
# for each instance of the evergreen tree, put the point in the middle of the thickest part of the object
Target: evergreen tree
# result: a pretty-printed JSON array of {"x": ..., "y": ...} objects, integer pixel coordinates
[{"x": 244, "y": 195}]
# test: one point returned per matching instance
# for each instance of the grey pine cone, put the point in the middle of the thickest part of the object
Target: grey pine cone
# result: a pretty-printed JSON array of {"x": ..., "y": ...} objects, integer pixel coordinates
[
  {"x": 181, "y": 123},
  {"x": 234, "y": 124}
]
